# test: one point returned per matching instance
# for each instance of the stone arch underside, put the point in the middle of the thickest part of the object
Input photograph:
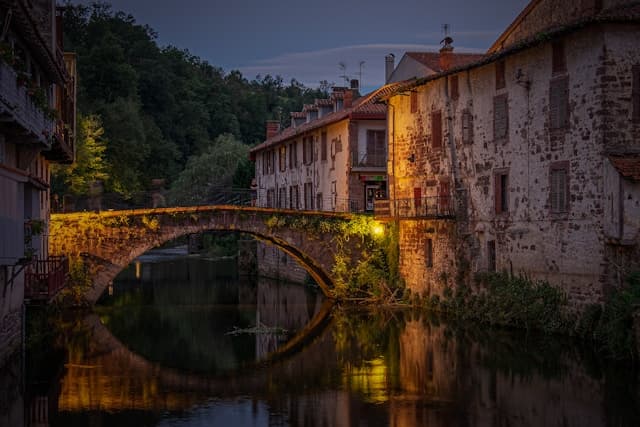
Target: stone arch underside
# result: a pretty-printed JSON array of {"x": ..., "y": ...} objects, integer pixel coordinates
[{"x": 118, "y": 246}]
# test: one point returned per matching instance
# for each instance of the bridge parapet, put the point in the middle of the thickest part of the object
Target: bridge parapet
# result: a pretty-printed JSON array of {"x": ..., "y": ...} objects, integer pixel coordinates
[{"x": 335, "y": 248}]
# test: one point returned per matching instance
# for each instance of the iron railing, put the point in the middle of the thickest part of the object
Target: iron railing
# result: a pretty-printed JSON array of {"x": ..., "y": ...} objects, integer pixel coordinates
[
  {"x": 45, "y": 278},
  {"x": 369, "y": 160},
  {"x": 419, "y": 207}
]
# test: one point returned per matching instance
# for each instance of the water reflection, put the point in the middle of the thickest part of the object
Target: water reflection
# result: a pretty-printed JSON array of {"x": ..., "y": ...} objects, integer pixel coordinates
[{"x": 158, "y": 355}]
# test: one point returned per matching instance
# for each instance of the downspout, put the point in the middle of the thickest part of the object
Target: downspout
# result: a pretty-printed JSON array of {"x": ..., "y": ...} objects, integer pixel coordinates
[{"x": 393, "y": 161}]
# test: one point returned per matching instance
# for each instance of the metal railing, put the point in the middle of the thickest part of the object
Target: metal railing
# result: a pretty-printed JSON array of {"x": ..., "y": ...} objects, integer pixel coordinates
[
  {"x": 45, "y": 278},
  {"x": 145, "y": 200},
  {"x": 419, "y": 207},
  {"x": 369, "y": 160}
]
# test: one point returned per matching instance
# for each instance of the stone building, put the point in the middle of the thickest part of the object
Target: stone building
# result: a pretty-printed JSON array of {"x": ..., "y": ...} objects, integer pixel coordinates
[
  {"x": 332, "y": 157},
  {"x": 527, "y": 160},
  {"x": 37, "y": 124}
]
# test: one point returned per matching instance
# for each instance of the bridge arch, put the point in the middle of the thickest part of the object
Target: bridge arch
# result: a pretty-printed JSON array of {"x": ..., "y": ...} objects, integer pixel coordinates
[{"x": 109, "y": 241}]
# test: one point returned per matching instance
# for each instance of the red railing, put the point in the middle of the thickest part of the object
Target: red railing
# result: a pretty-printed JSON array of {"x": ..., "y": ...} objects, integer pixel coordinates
[{"x": 45, "y": 278}]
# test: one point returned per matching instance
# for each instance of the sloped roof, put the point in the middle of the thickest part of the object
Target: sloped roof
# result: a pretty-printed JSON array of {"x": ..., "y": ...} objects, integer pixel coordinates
[
  {"x": 628, "y": 166},
  {"x": 432, "y": 59},
  {"x": 365, "y": 107},
  {"x": 628, "y": 13}
]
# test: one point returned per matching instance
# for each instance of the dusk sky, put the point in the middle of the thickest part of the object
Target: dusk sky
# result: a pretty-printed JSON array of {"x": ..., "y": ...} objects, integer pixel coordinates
[{"x": 307, "y": 40}]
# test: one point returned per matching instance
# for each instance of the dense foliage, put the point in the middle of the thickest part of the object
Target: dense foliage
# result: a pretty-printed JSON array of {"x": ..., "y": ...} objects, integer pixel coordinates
[{"x": 146, "y": 110}]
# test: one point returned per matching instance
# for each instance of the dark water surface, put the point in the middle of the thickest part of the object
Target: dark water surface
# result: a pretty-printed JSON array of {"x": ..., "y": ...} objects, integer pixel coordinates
[{"x": 183, "y": 342}]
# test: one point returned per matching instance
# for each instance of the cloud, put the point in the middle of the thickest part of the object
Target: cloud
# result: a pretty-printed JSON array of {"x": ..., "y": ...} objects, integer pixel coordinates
[{"x": 311, "y": 67}]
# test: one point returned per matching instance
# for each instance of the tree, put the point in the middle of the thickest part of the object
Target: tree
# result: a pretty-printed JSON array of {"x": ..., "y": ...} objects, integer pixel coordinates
[
  {"x": 211, "y": 172},
  {"x": 90, "y": 164}
]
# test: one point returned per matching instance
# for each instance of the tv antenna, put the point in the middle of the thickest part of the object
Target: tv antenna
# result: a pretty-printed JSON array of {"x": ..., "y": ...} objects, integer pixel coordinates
[{"x": 343, "y": 68}]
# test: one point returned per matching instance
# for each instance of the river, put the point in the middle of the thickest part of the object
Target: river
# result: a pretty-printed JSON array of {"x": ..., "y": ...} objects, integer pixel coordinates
[{"x": 185, "y": 341}]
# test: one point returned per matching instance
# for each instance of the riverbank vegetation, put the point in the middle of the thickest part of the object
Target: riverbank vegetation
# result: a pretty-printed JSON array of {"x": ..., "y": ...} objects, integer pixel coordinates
[{"x": 505, "y": 300}]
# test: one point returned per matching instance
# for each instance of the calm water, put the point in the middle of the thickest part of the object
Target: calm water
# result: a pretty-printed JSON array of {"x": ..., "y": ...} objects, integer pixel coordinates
[{"x": 183, "y": 342}]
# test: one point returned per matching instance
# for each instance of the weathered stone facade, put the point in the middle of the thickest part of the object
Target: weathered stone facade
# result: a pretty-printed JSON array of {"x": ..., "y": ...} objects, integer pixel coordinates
[{"x": 523, "y": 145}]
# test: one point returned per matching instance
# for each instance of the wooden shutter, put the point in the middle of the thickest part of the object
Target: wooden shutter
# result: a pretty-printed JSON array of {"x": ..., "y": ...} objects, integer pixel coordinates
[
  {"x": 467, "y": 127},
  {"x": 635, "y": 93},
  {"x": 500, "y": 117},
  {"x": 436, "y": 129},
  {"x": 500, "y": 79},
  {"x": 559, "y": 103}
]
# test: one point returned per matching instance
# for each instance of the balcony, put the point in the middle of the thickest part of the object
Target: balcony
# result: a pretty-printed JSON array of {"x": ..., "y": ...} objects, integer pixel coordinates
[
  {"x": 368, "y": 161},
  {"x": 19, "y": 115},
  {"x": 434, "y": 207},
  {"x": 43, "y": 279}
]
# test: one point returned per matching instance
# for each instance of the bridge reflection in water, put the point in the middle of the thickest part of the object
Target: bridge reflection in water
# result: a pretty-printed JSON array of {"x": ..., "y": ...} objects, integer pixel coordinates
[{"x": 347, "y": 367}]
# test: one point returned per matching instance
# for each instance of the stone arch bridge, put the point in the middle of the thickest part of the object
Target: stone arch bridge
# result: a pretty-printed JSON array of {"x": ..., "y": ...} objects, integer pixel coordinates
[{"x": 108, "y": 241}]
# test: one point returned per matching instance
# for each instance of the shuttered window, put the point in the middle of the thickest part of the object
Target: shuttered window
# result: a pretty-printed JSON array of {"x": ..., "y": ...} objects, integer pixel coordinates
[
  {"x": 414, "y": 101},
  {"x": 436, "y": 129},
  {"x": 500, "y": 118},
  {"x": 453, "y": 84},
  {"x": 501, "y": 192},
  {"x": 559, "y": 103},
  {"x": 323, "y": 146},
  {"x": 559, "y": 187},
  {"x": 467, "y": 127}
]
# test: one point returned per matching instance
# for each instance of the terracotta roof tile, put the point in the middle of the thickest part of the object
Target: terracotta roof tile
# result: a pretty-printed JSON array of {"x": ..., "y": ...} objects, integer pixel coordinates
[
  {"x": 298, "y": 114},
  {"x": 432, "y": 59},
  {"x": 364, "y": 107},
  {"x": 628, "y": 166},
  {"x": 325, "y": 102}
]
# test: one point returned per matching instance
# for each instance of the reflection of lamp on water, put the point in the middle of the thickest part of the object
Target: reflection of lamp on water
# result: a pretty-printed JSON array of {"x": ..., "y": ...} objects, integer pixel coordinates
[
  {"x": 110, "y": 289},
  {"x": 138, "y": 270}
]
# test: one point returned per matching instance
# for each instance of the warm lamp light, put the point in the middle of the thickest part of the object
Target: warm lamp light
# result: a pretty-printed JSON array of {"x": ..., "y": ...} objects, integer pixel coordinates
[{"x": 378, "y": 229}]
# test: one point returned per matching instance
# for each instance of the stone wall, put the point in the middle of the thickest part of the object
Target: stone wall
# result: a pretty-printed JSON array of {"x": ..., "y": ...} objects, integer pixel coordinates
[{"x": 529, "y": 232}]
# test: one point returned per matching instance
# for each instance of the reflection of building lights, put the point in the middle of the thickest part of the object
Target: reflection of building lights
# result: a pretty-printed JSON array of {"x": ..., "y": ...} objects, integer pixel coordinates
[
  {"x": 110, "y": 289},
  {"x": 378, "y": 229},
  {"x": 370, "y": 380},
  {"x": 138, "y": 269}
]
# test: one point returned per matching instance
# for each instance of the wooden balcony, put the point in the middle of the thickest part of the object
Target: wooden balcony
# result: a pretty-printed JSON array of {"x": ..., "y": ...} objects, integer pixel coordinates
[
  {"x": 45, "y": 278},
  {"x": 434, "y": 207},
  {"x": 19, "y": 115}
]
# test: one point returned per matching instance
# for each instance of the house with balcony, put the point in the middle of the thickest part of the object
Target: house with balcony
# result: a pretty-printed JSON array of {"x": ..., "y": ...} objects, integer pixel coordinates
[
  {"x": 37, "y": 128},
  {"x": 535, "y": 148},
  {"x": 333, "y": 156}
]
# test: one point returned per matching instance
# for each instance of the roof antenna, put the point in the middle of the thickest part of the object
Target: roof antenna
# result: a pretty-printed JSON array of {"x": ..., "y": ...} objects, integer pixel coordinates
[{"x": 447, "y": 40}]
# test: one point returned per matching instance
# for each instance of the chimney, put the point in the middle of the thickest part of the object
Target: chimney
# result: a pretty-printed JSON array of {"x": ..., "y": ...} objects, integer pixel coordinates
[
  {"x": 273, "y": 127},
  {"x": 389, "y": 65},
  {"x": 446, "y": 54},
  {"x": 348, "y": 98}
]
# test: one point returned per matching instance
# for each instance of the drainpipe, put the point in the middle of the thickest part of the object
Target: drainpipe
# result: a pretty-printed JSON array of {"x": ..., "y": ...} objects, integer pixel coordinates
[{"x": 393, "y": 161}]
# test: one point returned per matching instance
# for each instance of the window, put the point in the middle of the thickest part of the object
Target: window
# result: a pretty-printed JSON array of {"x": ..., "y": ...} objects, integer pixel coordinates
[
  {"x": 559, "y": 103},
  {"x": 428, "y": 253},
  {"x": 417, "y": 197},
  {"x": 323, "y": 146},
  {"x": 500, "y": 118},
  {"x": 453, "y": 85},
  {"x": 635, "y": 94},
  {"x": 558, "y": 60},
  {"x": 293, "y": 197},
  {"x": 307, "y": 150},
  {"x": 444, "y": 198},
  {"x": 501, "y": 192},
  {"x": 467, "y": 127},
  {"x": 436, "y": 129},
  {"x": 414, "y": 101},
  {"x": 282, "y": 198},
  {"x": 319, "y": 201},
  {"x": 270, "y": 198},
  {"x": 376, "y": 149},
  {"x": 308, "y": 196},
  {"x": 293, "y": 155},
  {"x": 491, "y": 255},
  {"x": 500, "y": 79},
  {"x": 282, "y": 157},
  {"x": 334, "y": 195},
  {"x": 559, "y": 183},
  {"x": 268, "y": 160}
]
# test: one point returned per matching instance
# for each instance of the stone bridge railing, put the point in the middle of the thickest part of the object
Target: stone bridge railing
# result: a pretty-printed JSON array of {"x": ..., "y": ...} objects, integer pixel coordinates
[{"x": 330, "y": 246}]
